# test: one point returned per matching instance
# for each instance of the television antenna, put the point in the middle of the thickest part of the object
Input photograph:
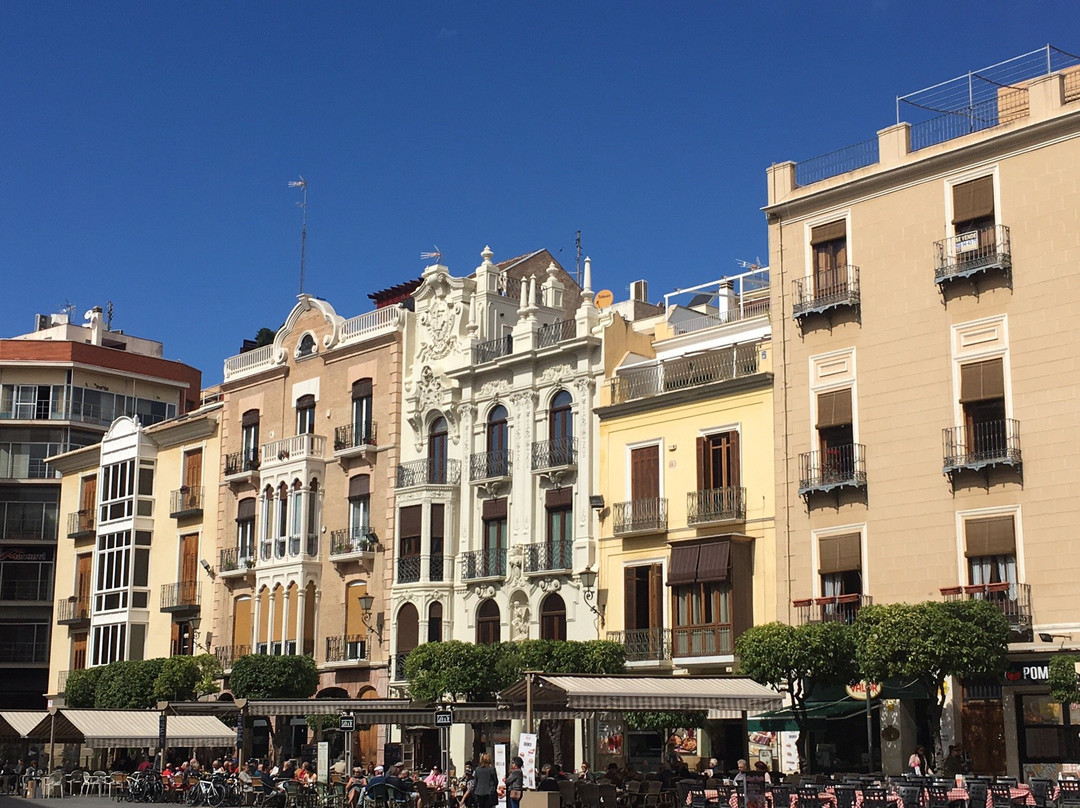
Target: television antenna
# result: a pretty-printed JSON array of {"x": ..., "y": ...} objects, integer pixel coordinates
[
  {"x": 108, "y": 315},
  {"x": 434, "y": 255},
  {"x": 68, "y": 308},
  {"x": 577, "y": 244},
  {"x": 302, "y": 185},
  {"x": 748, "y": 265}
]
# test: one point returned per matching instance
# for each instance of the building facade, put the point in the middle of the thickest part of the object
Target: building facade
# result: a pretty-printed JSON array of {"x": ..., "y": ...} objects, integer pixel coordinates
[
  {"x": 61, "y": 386},
  {"x": 922, "y": 307}
]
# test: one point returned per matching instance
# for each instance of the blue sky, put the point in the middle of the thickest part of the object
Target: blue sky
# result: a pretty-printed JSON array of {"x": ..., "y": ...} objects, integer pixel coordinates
[{"x": 146, "y": 147}]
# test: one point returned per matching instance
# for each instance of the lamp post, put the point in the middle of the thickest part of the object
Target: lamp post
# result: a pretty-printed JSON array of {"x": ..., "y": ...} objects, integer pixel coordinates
[{"x": 366, "y": 602}]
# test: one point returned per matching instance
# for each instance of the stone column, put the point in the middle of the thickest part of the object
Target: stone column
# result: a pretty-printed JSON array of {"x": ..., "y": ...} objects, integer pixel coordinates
[
  {"x": 301, "y": 599},
  {"x": 284, "y": 617}
]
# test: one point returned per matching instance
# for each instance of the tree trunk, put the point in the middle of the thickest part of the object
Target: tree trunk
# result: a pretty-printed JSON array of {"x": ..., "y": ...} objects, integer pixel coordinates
[
  {"x": 933, "y": 714},
  {"x": 554, "y": 730}
]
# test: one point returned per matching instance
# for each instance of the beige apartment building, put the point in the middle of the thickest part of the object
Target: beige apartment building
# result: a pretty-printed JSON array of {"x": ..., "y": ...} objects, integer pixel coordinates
[
  {"x": 310, "y": 444},
  {"x": 925, "y": 289}
]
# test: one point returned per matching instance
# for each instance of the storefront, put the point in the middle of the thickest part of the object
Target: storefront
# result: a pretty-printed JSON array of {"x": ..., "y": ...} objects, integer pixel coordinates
[{"x": 1040, "y": 734}]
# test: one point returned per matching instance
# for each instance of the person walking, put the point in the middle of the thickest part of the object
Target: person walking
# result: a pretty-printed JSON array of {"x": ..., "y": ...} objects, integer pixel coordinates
[
  {"x": 487, "y": 782},
  {"x": 514, "y": 782}
]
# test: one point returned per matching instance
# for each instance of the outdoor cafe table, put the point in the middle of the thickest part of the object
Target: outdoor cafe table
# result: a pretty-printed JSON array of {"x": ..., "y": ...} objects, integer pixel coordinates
[
  {"x": 1020, "y": 794},
  {"x": 827, "y": 800}
]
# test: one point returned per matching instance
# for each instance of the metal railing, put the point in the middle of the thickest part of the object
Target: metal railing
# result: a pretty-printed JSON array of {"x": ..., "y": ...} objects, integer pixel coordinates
[
  {"x": 554, "y": 453},
  {"x": 370, "y": 323},
  {"x": 1008, "y": 105},
  {"x": 298, "y": 447},
  {"x": 349, "y": 540},
  {"x": 742, "y": 311},
  {"x": 15, "y": 589},
  {"x": 397, "y": 667},
  {"x": 1014, "y": 600},
  {"x": 61, "y": 681},
  {"x": 549, "y": 556},
  {"x": 984, "y": 444},
  {"x": 715, "y": 505},
  {"x": 974, "y": 251},
  {"x": 849, "y": 158},
  {"x": 556, "y": 332},
  {"x": 28, "y": 521},
  {"x": 487, "y": 465},
  {"x": 408, "y": 569},
  {"x": 234, "y": 558},
  {"x": 179, "y": 596},
  {"x": 834, "y": 609},
  {"x": 241, "y": 462},
  {"x": 644, "y": 644},
  {"x": 826, "y": 289},
  {"x": 27, "y": 460},
  {"x": 352, "y": 436},
  {"x": 492, "y": 349},
  {"x": 832, "y": 468},
  {"x": 685, "y": 372},
  {"x": 228, "y": 654},
  {"x": 18, "y": 652},
  {"x": 640, "y": 516},
  {"x": 347, "y": 648},
  {"x": 489, "y": 563},
  {"x": 428, "y": 471},
  {"x": 437, "y": 567},
  {"x": 72, "y": 610},
  {"x": 249, "y": 361},
  {"x": 80, "y": 523},
  {"x": 186, "y": 501},
  {"x": 701, "y": 641}
]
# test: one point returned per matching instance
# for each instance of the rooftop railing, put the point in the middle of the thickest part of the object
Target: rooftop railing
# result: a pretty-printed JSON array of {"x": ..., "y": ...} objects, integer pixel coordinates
[
  {"x": 685, "y": 372},
  {"x": 249, "y": 362},
  {"x": 744, "y": 311},
  {"x": 554, "y": 333},
  {"x": 370, "y": 323},
  {"x": 836, "y": 162}
]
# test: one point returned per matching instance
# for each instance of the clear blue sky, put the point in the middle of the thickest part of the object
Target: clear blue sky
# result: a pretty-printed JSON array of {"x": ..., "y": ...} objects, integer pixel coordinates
[{"x": 146, "y": 146}]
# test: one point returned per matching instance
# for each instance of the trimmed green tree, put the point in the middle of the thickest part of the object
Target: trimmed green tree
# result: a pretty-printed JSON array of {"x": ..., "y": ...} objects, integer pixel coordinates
[
  {"x": 929, "y": 642},
  {"x": 1064, "y": 686},
  {"x": 81, "y": 688},
  {"x": 794, "y": 659},
  {"x": 261, "y": 676}
]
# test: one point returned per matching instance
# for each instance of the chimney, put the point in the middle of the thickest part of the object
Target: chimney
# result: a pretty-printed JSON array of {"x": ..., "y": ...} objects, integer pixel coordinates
[{"x": 639, "y": 291}]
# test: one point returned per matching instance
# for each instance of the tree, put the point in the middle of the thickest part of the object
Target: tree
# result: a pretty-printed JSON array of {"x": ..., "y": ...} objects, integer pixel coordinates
[
  {"x": 81, "y": 688},
  {"x": 261, "y": 676},
  {"x": 210, "y": 672},
  {"x": 128, "y": 685},
  {"x": 794, "y": 659},
  {"x": 177, "y": 680},
  {"x": 264, "y": 336},
  {"x": 1063, "y": 680},
  {"x": 929, "y": 642}
]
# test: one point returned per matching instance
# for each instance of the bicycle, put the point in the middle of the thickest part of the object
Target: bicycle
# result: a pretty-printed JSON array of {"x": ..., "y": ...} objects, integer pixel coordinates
[{"x": 207, "y": 791}]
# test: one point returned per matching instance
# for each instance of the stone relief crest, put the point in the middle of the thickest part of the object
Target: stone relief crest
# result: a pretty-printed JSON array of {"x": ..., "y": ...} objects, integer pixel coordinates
[{"x": 438, "y": 323}]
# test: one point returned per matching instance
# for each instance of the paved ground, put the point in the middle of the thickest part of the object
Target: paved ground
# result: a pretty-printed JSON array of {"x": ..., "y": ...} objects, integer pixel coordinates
[{"x": 7, "y": 801}]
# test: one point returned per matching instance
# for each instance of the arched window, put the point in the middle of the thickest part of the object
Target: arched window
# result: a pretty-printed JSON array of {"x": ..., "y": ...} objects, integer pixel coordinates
[
  {"x": 498, "y": 444},
  {"x": 408, "y": 637},
  {"x": 266, "y": 528},
  {"x": 297, "y": 510},
  {"x": 553, "y": 618},
  {"x": 434, "y": 622},
  {"x": 245, "y": 531},
  {"x": 437, "y": 446},
  {"x": 488, "y": 622},
  {"x": 305, "y": 415},
  {"x": 561, "y": 429},
  {"x": 362, "y": 423},
  {"x": 306, "y": 346}
]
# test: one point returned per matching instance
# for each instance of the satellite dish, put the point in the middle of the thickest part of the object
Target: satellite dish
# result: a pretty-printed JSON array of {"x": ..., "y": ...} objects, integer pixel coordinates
[{"x": 603, "y": 298}]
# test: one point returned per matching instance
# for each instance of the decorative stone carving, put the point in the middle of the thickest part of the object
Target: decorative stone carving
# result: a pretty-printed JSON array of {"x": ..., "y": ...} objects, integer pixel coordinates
[
  {"x": 519, "y": 620},
  {"x": 437, "y": 323},
  {"x": 497, "y": 388},
  {"x": 550, "y": 584},
  {"x": 556, "y": 373}
]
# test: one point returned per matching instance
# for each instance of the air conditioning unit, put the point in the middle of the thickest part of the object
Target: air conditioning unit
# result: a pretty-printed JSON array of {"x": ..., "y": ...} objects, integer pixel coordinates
[
  {"x": 41, "y": 322},
  {"x": 639, "y": 290}
]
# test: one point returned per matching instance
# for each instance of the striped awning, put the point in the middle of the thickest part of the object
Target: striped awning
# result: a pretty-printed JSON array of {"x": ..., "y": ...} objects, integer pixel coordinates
[
  {"x": 19, "y": 723},
  {"x": 367, "y": 711},
  {"x": 100, "y": 729},
  {"x": 623, "y": 692}
]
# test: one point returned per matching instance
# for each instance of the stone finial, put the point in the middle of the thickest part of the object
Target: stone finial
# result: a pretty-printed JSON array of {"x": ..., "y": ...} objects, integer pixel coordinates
[
  {"x": 486, "y": 254},
  {"x": 586, "y": 289}
]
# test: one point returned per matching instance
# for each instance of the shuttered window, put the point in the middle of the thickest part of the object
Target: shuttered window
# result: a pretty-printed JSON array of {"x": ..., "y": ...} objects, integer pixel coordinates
[
  {"x": 981, "y": 381},
  {"x": 834, "y": 409},
  {"x": 973, "y": 200},
  {"x": 994, "y": 536},
  {"x": 839, "y": 553}
]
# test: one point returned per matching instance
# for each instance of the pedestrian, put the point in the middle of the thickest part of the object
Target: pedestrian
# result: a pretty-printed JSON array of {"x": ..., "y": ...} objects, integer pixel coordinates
[
  {"x": 487, "y": 782},
  {"x": 514, "y": 783}
]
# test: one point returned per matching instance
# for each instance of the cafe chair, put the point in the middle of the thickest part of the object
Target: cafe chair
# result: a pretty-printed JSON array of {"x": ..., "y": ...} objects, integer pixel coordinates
[
  {"x": 977, "y": 790},
  {"x": 1042, "y": 790},
  {"x": 1069, "y": 794},
  {"x": 937, "y": 796},
  {"x": 845, "y": 796},
  {"x": 807, "y": 797},
  {"x": 1001, "y": 795},
  {"x": 875, "y": 798},
  {"x": 910, "y": 796},
  {"x": 1012, "y": 782}
]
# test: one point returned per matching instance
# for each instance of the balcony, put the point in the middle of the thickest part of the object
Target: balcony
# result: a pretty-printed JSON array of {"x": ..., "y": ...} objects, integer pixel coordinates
[
  {"x": 297, "y": 448},
  {"x": 230, "y": 653},
  {"x": 713, "y": 505},
  {"x": 242, "y": 466},
  {"x": 829, "y": 469},
  {"x": 549, "y": 557},
  {"x": 186, "y": 502},
  {"x": 352, "y": 543},
  {"x": 684, "y": 373},
  {"x": 27, "y": 460},
  {"x": 353, "y": 440},
  {"x": 993, "y": 443},
  {"x": 701, "y": 641},
  {"x": 644, "y": 644},
  {"x": 347, "y": 648},
  {"x": 397, "y": 667},
  {"x": 408, "y": 569},
  {"x": 236, "y": 562},
  {"x": 640, "y": 516},
  {"x": 182, "y": 596},
  {"x": 969, "y": 254},
  {"x": 557, "y": 453},
  {"x": 485, "y": 466},
  {"x": 834, "y": 609},
  {"x": 832, "y": 289},
  {"x": 73, "y": 612},
  {"x": 491, "y": 350},
  {"x": 428, "y": 471},
  {"x": 81, "y": 524},
  {"x": 490, "y": 563},
  {"x": 437, "y": 567},
  {"x": 1014, "y": 600},
  {"x": 556, "y": 332}
]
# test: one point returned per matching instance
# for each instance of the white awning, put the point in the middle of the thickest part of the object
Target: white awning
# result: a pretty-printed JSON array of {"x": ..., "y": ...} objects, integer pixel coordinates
[
  {"x": 22, "y": 721},
  {"x": 105, "y": 728}
]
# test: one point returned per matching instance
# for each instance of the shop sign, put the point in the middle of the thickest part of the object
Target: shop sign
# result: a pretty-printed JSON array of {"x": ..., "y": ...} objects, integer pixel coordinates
[
  {"x": 20, "y": 554},
  {"x": 858, "y": 690},
  {"x": 1028, "y": 673}
]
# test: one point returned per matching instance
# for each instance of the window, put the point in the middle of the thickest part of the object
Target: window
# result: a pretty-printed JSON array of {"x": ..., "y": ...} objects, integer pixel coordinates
[
  {"x": 492, "y": 560},
  {"x": 312, "y": 537},
  {"x": 245, "y": 528},
  {"x": 560, "y": 529},
  {"x": 1048, "y": 729},
  {"x": 553, "y": 618},
  {"x": 561, "y": 417},
  {"x": 436, "y": 561},
  {"x": 113, "y": 571},
  {"x": 829, "y": 245},
  {"x": 410, "y": 523},
  {"x": 282, "y": 521},
  {"x": 305, "y": 415},
  {"x": 117, "y": 490},
  {"x": 183, "y": 641},
  {"x": 488, "y": 623},
  {"x": 643, "y": 588},
  {"x": 840, "y": 565},
  {"x": 990, "y": 548},
  {"x": 973, "y": 217},
  {"x": 645, "y": 473},
  {"x": 297, "y": 525},
  {"x": 982, "y": 397},
  {"x": 250, "y": 440},
  {"x": 437, "y": 448},
  {"x": 700, "y": 577},
  {"x": 109, "y": 644},
  {"x": 836, "y": 435},
  {"x": 359, "y": 506},
  {"x": 266, "y": 529},
  {"x": 306, "y": 347},
  {"x": 498, "y": 442},
  {"x": 361, "y": 413},
  {"x": 25, "y": 576},
  {"x": 718, "y": 460},
  {"x": 434, "y": 631}
]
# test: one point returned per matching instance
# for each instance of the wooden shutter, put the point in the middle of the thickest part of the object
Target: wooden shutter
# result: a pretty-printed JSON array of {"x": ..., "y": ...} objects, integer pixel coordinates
[
  {"x": 306, "y": 402},
  {"x": 359, "y": 486},
  {"x": 704, "y": 468},
  {"x": 980, "y": 381},
  {"x": 834, "y": 409},
  {"x": 645, "y": 473},
  {"x": 78, "y": 652},
  {"x": 250, "y": 418},
  {"x": 494, "y": 508},
  {"x": 193, "y": 470},
  {"x": 361, "y": 389},
  {"x": 973, "y": 200},
  {"x": 714, "y": 561},
  {"x": 656, "y": 596},
  {"x": 832, "y": 231},
  {"x": 559, "y": 498},
  {"x": 684, "y": 564},
  {"x": 354, "y": 624},
  {"x": 242, "y": 621},
  {"x": 245, "y": 510},
  {"x": 410, "y": 520},
  {"x": 189, "y": 557},
  {"x": 83, "y": 578},
  {"x": 88, "y": 494},
  {"x": 630, "y": 620},
  {"x": 990, "y": 537},
  {"x": 839, "y": 553}
]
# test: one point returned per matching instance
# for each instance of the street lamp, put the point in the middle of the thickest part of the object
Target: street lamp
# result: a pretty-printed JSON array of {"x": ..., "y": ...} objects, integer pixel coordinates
[
  {"x": 588, "y": 591},
  {"x": 366, "y": 602}
]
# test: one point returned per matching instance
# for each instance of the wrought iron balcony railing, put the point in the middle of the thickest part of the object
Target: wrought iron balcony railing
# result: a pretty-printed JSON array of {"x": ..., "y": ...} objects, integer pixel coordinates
[
  {"x": 241, "y": 462},
  {"x": 489, "y": 465},
  {"x": 347, "y": 648},
  {"x": 180, "y": 597},
  {"x": 556, "y": 332},
  {"x": 186, "y": 501},
  {"x": 236, "y": 559},
  {"x": 831, "y": 468},
  {"x": 428, "y": 471},
  {"x": 438, "y": 566},
  {"x": 492, "y": 349},
  {"x": 715, "y": 505},
  {"x": 1013, "y": 599},
  {"x": 826, "y": 289},
  {"x": 553, "y": 454},
  {"x": 640, "y": 516},
  {"x": 832, "y": 609},
  {"x": 408, "y": 569},
  {"x": 489, "y": 563},
  {"x": 397, "y": 667},
  {"x": 228, "y": 654},
  {"x": 992, "y": 443},
  {"x": 353, "y": 436},
  {"x": 73, "y": 611},
  {"x": 698, "y": 641},
  {"x": 685, "y": 372},
  {"x": 549, "y": 556},
  {"x": 81, "y": 523},
  {"x": 984, "y": 249},
  {"x": 644, "y": 644},
  {"x": 352, "y": 540}
]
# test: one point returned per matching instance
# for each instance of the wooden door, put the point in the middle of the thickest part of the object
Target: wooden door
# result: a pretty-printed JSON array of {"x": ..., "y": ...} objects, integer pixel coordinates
[
  {"x": 984, "y": 735},
  {"x": 718, "y": 463},
  {"x": 189, "y": 558},
  {"x": 645, "y": 473},
  {"x": 78, "y": 652},
  {"x": 192, "y": 478},
  {"x": 83, "y": 579},
  {"x": 241, "y": 635},
  {"x": 87, "y": 502}
]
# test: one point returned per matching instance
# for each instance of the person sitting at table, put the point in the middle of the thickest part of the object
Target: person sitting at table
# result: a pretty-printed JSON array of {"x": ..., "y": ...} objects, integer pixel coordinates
[
  {"x": 586, "y": 774},
  {"x": 266, "y": 780},
  {"x": 954, "y": 763},
  {"x": 288, "y": 770},
  {"x": 760, "y": 766},
  {"x": 354, "y": 785},
  {"x": 547, "y": 780},
  {"x": 613, "y": 774},
  {"x": 435, "y": 779},
  {"x": 740, "y": 775},
  {"x": 712, "y": 770}
]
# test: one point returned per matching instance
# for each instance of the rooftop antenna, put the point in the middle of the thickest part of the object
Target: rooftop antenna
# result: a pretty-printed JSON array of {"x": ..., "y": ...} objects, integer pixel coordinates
[
  {"x": 108, "y": 315},
  {"x": 748, "y": 265},
  {"x": 302, "y": 185},
  {"x": 68, "y": 308},
  {"x": 577, "y": 243},
  {"x": 434, "y": 255}
]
